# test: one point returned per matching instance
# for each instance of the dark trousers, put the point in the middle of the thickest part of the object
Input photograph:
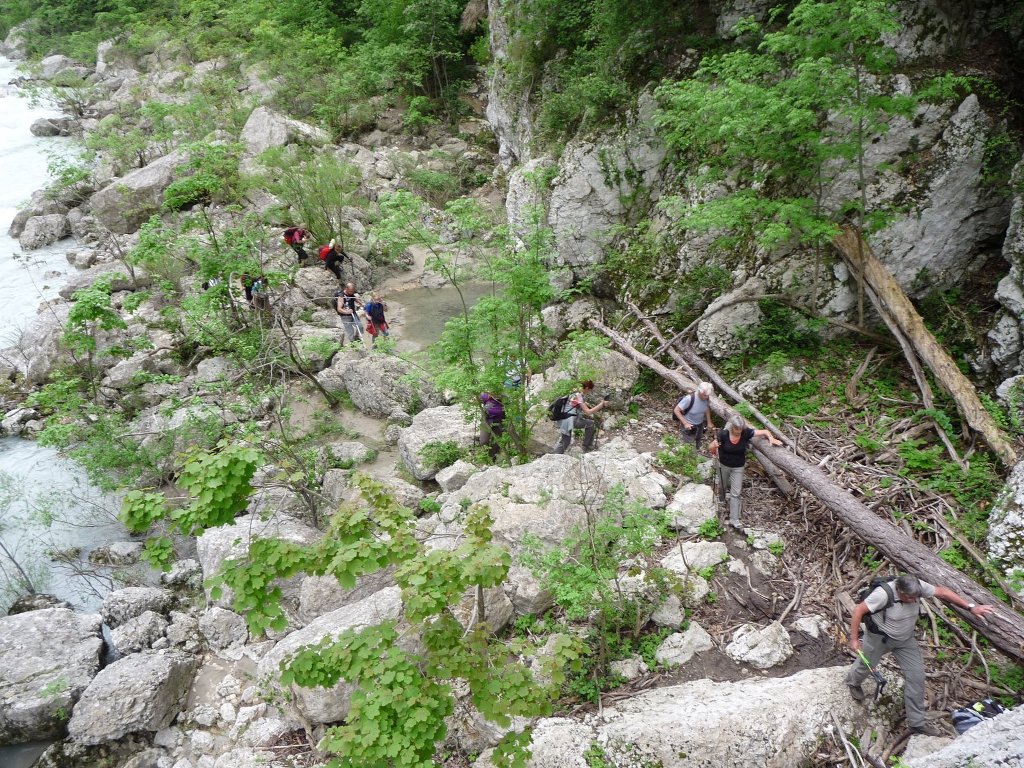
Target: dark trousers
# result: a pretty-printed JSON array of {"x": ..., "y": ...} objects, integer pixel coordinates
[
  {"x": 299, "y": 251},
  {"x": 693, "y": 436},
  {"x": 333, "y": 263}
]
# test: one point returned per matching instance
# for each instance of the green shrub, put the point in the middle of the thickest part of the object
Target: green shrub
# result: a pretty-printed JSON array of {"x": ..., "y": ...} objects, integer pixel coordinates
[{"x": 440, "y": 454}]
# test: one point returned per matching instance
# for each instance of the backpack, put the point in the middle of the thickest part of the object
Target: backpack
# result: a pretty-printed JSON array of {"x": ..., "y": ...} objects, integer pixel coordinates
[
  {"x": 556, "y": 411},
  {"x": 324, "y": 251},
  {"x": 494, "y": 410},
  {"x": 968, "y": 717},
  {"x": 885, "y": 582},
  {"x": 685, "y": 410},
  {"x": 289, "y": 234}
]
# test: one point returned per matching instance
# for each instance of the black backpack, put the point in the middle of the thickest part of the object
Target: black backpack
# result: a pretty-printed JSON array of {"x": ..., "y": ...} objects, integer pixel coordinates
[
  {"x": 556, "y": 410},
  {"x": 886, "y": 583},
  {"x": 686, "y": 410},
  {"x": 968, "y": 717}
]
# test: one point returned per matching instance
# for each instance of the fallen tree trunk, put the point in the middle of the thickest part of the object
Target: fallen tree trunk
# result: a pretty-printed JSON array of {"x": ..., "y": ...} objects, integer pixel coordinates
[
  {"x": 1004, "y": 627},
  {"x": 895, "y": 307}
]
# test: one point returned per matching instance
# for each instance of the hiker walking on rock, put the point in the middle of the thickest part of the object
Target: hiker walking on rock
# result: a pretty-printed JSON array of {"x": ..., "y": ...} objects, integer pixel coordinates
[
  {"x": 347, "y": 305},
  {"x": 889, "y": 613},
  {"x": 694, "y": 415},
  {"x": 730, "y": 446},
  {"x": 493, "y": 426},
  {"x": 295, "y": 238},
  {"x": 375, "y": 320},
  {"x": 332, "y": 255},
  {"x": 575, "y": 415}
]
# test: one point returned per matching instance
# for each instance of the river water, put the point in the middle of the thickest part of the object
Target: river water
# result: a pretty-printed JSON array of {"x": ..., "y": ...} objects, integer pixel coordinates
[{"x": 46, "y": 505}]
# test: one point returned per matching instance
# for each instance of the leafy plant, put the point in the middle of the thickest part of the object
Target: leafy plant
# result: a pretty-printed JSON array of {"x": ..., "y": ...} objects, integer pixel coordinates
[
  {"x": 711, "y": 528},
  {"x": 441, "y": 454}
]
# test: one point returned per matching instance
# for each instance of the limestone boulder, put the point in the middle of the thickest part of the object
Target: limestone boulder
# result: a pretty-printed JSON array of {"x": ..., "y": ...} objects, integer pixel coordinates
[
  {"x": 47, "y": 659},
  {"x": 1006, "y": 526},
  {"x": 116, "y": 275},
  {"x": 266, "y": 128},
  {"x": 43, "y": 230},
  {"x": 222, "y": 628},
  {"x": 216, "y": 545},
  {"x": 761, "y": 647},
  {"x": 15, "y": 45},
  {"x": 717, "y": 332},
  {"x": 139, "y": 633},
  {"x": 434, "y": 425},
  {"x": 694, "y": 556},
  {"x": 125, "y": 604},
  {"x": 123, "y": 205},
  {"x": 347, "y": 453},
  {"x": 997, "y": 742},
  {"x": 691, "y": 506},
  {"x": 40, "y": 204},
  {"x": 454, "y": 477},
  {"x": 56, "y": 66},
  {"x": 320, "y": 595},
  {"x": 1007, "y": 336},
  {"x": 328, "y": 705},
  {"x": 141, "y": 692},
  {"x": 679, "y": 648}
]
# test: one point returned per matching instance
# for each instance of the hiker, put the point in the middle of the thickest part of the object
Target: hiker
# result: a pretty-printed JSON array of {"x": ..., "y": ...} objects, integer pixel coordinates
[
  {"x": 375, "y": 320},
  {"x": 693, "y": 413},
  {"x": 575, "y": 412},
  {"x": 347, "y": 304},
  {"x": 258, "y": 292},
  {"x": 295, "y": 238},
  {"x": 730, "y": 446},
  {"x": 889, "y": 618},
  {"x": 247, "y": 281},
  {"x": 493, "y": 425},
  {"x": 332, "y": 256}
]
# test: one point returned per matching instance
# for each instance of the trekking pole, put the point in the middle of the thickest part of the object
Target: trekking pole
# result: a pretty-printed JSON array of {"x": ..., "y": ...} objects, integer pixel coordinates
[{"x": 880, "y": 681}]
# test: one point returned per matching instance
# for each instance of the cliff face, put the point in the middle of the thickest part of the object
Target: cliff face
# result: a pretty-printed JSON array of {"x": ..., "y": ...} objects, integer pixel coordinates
[{"x": 933, "y": 171}]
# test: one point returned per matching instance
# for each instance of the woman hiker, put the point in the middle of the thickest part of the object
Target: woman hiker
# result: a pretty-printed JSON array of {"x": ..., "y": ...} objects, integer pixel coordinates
[{"x": 730, "y": 446}]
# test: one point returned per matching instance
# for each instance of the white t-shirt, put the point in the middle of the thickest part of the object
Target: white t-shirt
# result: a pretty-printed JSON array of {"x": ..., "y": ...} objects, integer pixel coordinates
[{"x": 897, "y": 621}]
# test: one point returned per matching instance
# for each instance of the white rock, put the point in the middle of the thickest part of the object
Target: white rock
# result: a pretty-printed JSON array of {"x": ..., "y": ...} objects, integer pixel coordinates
[
  {"x": 223, "y": 628},
  {"x": 679, "y": 648},
  {"x": 630, "y": 668},
  {"x": 455, "y": 476},
  {"x": 760, "y": 647},
  {"x": 139, "y": 632},
  {"x": 441, "y": 424},
  {"x": 124, "y": 604},
  {"x": 670, "y": 613},
  {"x": 693, "y": 556},
  {"x": 692, "y": 505}
]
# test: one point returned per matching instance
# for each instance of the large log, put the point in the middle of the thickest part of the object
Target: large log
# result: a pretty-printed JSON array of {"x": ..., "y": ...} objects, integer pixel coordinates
[
  {"x": 895, "y": 307},
  {"x": 1004, "y": 628}
]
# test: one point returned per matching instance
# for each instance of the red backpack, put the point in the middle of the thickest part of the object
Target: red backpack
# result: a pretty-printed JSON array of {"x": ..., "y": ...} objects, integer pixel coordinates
[{"x": 324, "y": 251}]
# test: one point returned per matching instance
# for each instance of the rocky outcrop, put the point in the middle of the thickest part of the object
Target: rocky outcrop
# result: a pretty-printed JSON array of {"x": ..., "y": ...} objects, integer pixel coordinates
[
  {"x": 757, "y": 723},
  {"x": 40, "y": 231},
  {"x": 47, "y": 659},
  {"x": 328, "y": 705},
  {"x": 1006, "y": 528},
  {"x": 141, "y": 692},
  {"x": 126, "y": 604},
  {"x": 990, "y": 744},
  {"x": 434, "y": 425},
  {"x": 232, "y": 541},
  {"x": 266, "y": 128},
  {"x": 379, "y": 385},
  {"x": 123, "y": 205},
  {"x": 761, "y": 647}
]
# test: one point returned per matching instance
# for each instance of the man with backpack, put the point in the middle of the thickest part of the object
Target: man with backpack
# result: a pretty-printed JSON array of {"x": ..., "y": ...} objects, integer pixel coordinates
[
  {"x": 295, "y": 238},
  {"x": 693, "y": 413},
  {"x": 889, "y": 612},
  {"x": 346, "y": 304},
  {"x": 376, "y": 322},
  {"x": 573, "y": 412}
]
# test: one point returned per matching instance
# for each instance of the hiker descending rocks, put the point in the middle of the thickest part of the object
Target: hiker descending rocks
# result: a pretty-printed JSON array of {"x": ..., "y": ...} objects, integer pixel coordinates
[
  {"x": 332, "y": 255},
  {"x": 346, "y": 304},
  {"x": 571, "y": 413},
  {"x": 730, "y": 446},
  {"x": 493, "y": 425},
  {"x": 694, "y": 415},
  {"x": 375, "y": 320},
  {"x": 889, "y": 613},
  {"x": 295, "y": 238}
]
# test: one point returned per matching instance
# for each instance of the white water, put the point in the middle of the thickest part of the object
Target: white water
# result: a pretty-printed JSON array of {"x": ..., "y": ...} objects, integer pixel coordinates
[{"x": 45, "y": 502}]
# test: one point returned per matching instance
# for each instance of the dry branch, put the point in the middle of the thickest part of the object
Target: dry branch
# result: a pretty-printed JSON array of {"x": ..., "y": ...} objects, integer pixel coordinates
[{"x": 893, "y": 305}]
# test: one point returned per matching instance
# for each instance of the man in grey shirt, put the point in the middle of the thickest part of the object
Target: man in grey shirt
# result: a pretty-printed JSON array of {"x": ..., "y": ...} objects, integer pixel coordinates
[
  {"x": 895, "y": 634},
  {"x": 694, "y": 415}
]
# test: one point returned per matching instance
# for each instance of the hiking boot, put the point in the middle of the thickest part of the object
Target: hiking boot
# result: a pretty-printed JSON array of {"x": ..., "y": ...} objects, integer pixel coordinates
[
  {"x": 926, "y": 730},
  {"x": 856, "y": 692}
]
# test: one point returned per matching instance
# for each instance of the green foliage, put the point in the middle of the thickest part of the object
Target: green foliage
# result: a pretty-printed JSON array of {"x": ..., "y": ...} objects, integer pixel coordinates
[
  {"x": 1009, "y": 676},
  {"x": 213, "y": 177},
  {"x": 418, "y": 115},
  {"x": 441, "y": 454},
  {"x": 679, "y": 458},
  {"x": 775, "y": 115},
  {"x": 587, "y": 58},
  {"x": 91, "y": 312},
  {"x": 711, "y": 528}
]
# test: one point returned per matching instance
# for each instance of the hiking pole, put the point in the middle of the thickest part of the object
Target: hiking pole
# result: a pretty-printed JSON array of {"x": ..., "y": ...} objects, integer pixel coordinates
[{"x": 880, "y": 681}]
